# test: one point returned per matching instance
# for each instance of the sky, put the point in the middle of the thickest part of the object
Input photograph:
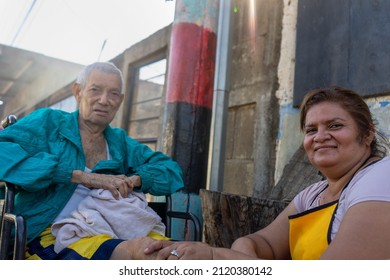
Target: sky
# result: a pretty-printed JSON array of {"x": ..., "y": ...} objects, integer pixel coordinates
[{"x": 81, "y": 31}]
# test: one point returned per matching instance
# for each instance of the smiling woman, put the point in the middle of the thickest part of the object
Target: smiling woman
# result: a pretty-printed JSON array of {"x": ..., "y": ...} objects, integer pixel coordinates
[{"x": 344, "y": 216}]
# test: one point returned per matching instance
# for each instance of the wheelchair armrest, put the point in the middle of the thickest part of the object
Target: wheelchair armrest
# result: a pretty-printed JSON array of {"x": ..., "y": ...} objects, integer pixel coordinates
[
  {"x": 186, "y": 216},
  {"x": 20, "y": 237},
  {"x": 7, "y": 121},
  {"x": 161, "y": 208},
  {"x": 9, "y": 219}
]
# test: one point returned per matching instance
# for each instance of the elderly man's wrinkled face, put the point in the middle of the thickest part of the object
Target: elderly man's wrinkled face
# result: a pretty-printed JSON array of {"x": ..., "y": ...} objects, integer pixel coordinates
[{"x": 100, "y": 99}]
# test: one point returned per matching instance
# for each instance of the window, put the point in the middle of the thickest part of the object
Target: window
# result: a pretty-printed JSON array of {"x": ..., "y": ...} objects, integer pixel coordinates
[{"x": 144, "y": 123}]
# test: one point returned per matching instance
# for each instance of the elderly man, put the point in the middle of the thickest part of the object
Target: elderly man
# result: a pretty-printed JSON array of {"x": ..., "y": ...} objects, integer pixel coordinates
[{"x": 59, "y": 158}]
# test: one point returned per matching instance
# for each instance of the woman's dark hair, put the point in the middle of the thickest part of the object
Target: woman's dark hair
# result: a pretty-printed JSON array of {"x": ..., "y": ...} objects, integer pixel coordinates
[{"x": 354, "y": 104}]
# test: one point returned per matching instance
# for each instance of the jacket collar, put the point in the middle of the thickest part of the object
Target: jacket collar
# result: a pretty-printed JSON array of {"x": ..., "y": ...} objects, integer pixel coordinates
[{"x": 70, "y": 128}]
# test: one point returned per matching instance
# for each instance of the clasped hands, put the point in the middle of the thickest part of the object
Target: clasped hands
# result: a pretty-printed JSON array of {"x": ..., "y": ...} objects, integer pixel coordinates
[
  {"x": 183, "y": 250},
  {"x": 116, "y": 184}
]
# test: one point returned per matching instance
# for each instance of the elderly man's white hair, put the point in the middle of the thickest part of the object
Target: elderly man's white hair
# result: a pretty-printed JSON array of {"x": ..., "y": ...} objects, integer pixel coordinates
[{"x": 105, "y": 67}]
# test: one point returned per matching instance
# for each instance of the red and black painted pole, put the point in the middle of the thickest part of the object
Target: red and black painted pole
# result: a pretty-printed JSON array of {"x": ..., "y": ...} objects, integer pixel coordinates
[
  {"x": 189, "y": 92},
  {"x": 189, "y": 98}
]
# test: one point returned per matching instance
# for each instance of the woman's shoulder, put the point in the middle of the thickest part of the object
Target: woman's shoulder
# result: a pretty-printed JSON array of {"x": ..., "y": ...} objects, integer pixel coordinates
[
  {"x": 305, "y": 199},
  {"x": 371, "y": 183},
  {"x": 376, "y": 171},
  {"x": 384, "y": 161}
]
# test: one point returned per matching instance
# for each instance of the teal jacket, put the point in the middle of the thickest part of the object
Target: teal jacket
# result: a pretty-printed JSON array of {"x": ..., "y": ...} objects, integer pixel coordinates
[{"x": 40, "y": 151}]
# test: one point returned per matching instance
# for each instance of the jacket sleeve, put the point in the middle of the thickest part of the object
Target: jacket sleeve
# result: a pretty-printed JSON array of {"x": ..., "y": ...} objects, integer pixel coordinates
[
  {"x": 24, "y": 157},
  {"x": 160, "y": 175}
]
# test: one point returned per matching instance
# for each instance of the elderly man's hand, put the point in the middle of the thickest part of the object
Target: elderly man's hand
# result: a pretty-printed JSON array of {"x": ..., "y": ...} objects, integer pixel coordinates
[
  {"x": 116, "y": 184},
  {"x": 134, "y": 250}
]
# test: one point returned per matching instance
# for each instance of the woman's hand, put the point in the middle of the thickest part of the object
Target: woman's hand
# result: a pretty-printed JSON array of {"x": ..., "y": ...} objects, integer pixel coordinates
[
  {"x": 133, "y": 250},
  {"x": 116, "y": 184},
  {"x": 169, "y": 250}
]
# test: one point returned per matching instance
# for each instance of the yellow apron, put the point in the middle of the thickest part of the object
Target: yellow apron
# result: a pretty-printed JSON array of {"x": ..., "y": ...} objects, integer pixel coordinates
[{"x": 309, "y": 232}]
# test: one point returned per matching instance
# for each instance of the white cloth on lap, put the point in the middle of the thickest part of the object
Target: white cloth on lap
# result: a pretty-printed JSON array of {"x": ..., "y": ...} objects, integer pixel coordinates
[{"x": 100, "y": 213}]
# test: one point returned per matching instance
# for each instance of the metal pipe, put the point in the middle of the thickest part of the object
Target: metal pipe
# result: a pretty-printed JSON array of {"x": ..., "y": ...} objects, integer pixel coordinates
[{"x": 220, "y": 98}]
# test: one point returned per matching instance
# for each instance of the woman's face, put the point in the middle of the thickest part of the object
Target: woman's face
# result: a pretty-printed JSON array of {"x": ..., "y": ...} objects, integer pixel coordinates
[{"x": 332, "y": 140}]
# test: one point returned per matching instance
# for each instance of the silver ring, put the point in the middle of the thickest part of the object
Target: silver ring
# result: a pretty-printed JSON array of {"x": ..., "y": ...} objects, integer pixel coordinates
[{"x": 175, "y": 253}]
